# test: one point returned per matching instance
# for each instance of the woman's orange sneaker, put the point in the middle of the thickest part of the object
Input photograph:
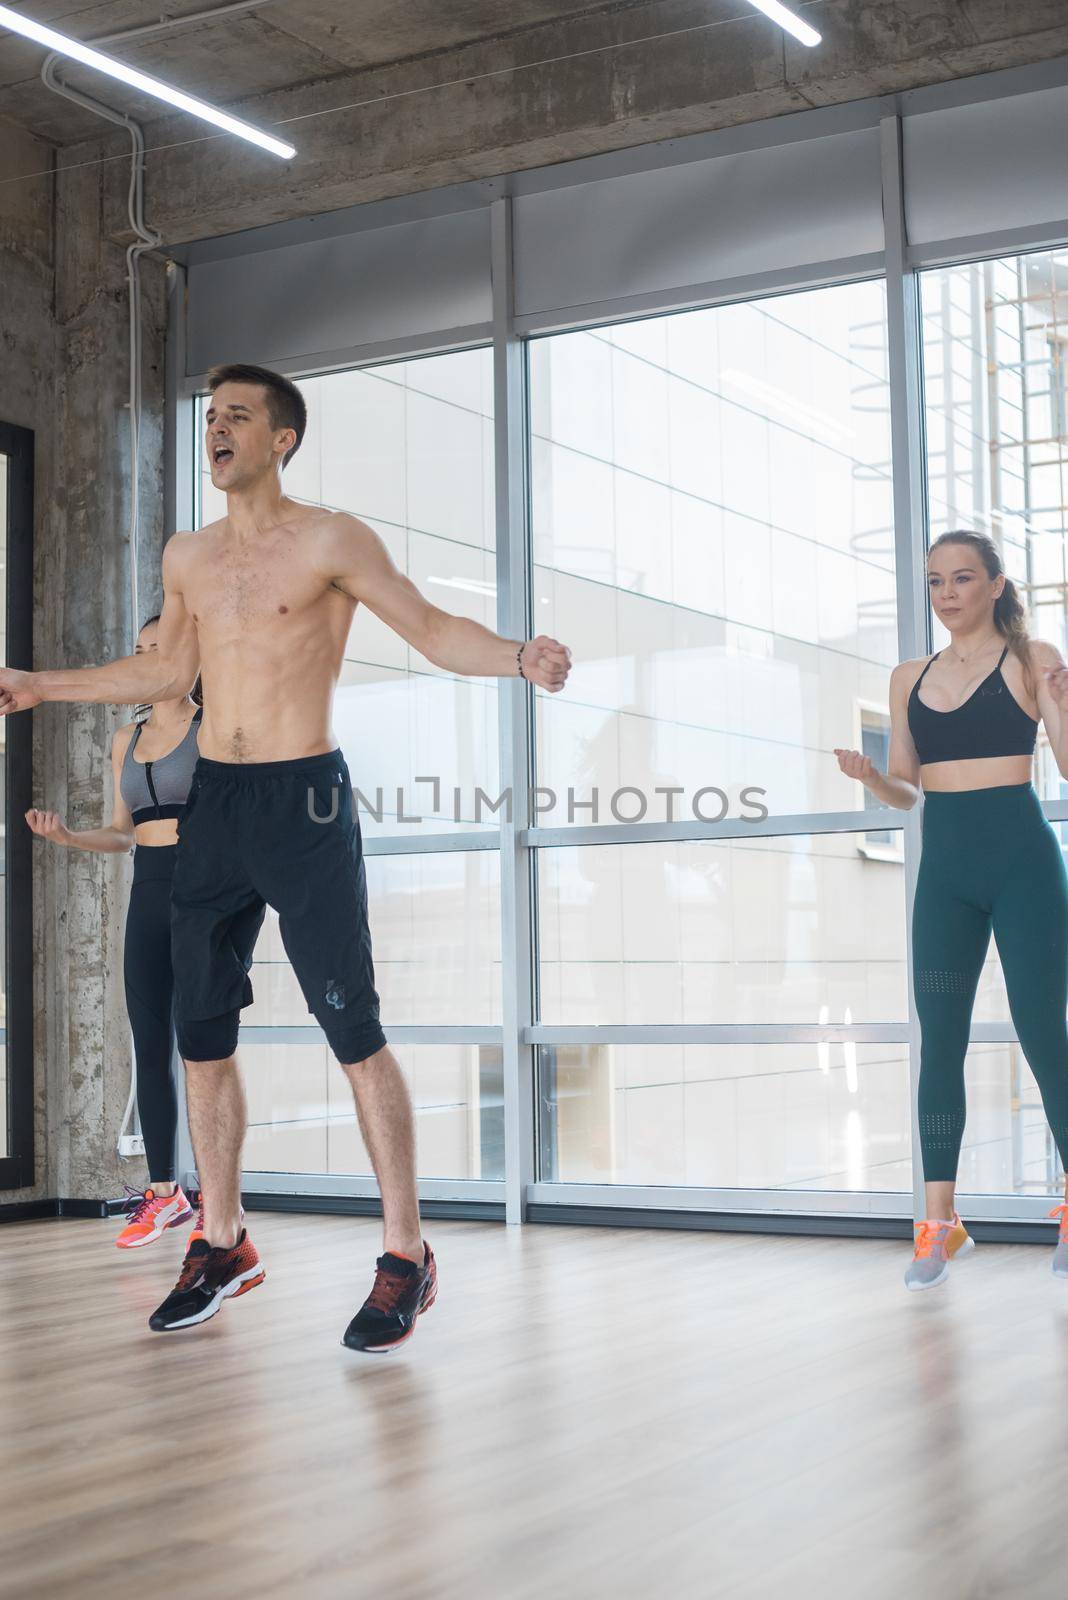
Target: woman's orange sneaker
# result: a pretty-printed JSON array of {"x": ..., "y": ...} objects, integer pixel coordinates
[
  {"x": 938, "y": 1242},
  {"x": 150, "y": 1215}
]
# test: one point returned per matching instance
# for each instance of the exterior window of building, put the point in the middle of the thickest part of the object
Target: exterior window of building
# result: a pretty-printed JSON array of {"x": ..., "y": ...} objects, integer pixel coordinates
[
  {"x": 712, "y": 508},
  {"x": 712, "y": 517}
]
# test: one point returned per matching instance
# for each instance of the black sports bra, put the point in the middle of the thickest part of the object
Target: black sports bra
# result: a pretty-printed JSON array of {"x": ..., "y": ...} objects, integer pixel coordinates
[{"x": 991, "y": 722}]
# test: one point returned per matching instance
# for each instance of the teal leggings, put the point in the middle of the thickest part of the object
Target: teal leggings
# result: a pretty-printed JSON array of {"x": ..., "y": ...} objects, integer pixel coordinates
[{"x": 990, "y": 858}]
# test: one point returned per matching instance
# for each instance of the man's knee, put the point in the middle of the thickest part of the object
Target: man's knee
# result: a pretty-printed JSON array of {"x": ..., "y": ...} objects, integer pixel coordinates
[
  {"x": 354, "y": 1045},
  {"x": 209, "y": 1039}
]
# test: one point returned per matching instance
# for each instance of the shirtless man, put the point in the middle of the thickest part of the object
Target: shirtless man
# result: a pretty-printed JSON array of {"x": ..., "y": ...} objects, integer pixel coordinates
[{"x": 261, "y": 603}]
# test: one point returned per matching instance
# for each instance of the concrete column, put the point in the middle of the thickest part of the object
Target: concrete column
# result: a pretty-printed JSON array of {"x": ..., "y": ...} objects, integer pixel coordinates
[
  {"x": 90, "y": 621},
  {"x": 65, "y": 374}
]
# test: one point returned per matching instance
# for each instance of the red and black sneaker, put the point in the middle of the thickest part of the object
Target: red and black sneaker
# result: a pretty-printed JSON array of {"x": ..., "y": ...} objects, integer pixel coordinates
[
  {"x": 402, "y": 1290},
  {"x": 209, "y": 1276}
]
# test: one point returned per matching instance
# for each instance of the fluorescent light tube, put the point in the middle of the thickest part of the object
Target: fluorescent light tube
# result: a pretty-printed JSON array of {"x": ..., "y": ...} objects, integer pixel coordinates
[
  {"x": 785, "y": 19},
  {"x": 139, "y": 80}
]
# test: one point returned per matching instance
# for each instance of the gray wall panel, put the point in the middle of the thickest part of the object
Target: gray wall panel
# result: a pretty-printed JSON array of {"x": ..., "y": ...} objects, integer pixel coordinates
[
  {"x": 749, "y": 214},
  {"x": 792, "y": 205},
  {"x": 334, "y": 294},
  {"x": 974, "y": 169}
]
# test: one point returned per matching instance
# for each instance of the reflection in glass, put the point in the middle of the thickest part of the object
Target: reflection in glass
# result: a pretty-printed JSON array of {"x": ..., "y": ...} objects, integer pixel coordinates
[
  {"x": 749, "y": 1116},
  {"x": 302, "y": 1119},
  {"x": 791, "y": 1116},
  {"x": 713, "y": 522},
  {"x": 803, "y": 928}
]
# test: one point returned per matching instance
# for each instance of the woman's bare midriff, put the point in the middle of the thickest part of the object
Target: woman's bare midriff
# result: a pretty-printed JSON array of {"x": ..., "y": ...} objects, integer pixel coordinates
[
  {"x": 155, "y": 833},
  {"x": 980, "y": 772}
]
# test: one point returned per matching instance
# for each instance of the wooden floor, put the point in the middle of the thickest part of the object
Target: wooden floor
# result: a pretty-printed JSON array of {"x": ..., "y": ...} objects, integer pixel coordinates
[{"x": 585, "y": 1414}]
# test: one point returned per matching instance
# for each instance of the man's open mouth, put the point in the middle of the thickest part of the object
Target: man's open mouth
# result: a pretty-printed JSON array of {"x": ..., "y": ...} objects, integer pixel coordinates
[{"x": 221, "y": 453}]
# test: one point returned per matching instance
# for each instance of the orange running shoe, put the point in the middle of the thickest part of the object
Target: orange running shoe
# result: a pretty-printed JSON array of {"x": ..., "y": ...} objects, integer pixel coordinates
[
  {"x": 208, "y": 1278},
  {"x": 150, "y": 1215},
  {"x": 937, "y": 1244}
]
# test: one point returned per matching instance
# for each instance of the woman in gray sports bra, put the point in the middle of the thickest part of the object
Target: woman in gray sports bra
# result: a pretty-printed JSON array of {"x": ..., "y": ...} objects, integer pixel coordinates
[{"x": 152, "y": 765}]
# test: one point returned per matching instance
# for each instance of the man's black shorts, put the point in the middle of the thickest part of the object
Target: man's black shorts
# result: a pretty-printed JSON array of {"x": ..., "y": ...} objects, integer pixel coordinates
[{"x": 283, "y": 834}]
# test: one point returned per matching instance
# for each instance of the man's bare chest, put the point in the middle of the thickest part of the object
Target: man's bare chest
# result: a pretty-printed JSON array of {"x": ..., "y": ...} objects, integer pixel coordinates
[{"x": 233, "y": 589}]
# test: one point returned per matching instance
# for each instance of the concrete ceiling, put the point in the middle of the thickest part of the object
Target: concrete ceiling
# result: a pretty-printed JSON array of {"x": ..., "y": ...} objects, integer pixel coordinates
[
  {"x": 278, "y": 45},
  {"x": 318, "y": 45},
  {"x": 387, "y": 97}
]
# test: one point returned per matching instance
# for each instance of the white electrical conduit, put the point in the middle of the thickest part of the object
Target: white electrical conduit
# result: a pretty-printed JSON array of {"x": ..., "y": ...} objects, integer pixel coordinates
[
  {"x": 168, "y": 24},
  {"x": 146, "y": 238},
  {"x": 112, "y": 67}
]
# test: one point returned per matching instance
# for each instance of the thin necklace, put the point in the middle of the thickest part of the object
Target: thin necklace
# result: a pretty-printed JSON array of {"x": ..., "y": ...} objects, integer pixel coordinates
[{"x": 979, "y": 648}]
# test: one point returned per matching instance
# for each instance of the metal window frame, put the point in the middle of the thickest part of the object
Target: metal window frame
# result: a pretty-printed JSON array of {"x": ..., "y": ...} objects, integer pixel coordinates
[
  {"x": 910, "y": 529},
  {"x": 520, "y": 1033},
  {"x": 321, "y": 362},
  {"x": 17, "y": 1161}
]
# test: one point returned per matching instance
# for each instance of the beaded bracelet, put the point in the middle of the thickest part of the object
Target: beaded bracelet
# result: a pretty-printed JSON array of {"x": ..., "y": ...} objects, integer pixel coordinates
[{"x": 519, "y": 661}]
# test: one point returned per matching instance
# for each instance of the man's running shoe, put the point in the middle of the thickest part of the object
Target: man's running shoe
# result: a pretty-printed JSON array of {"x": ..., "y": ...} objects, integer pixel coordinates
[
  {"x": 149, "y": 1215},
  {"x": 1060, "y": 1255},
  {"x": 198, "y": 1226},
  {"x": 208, "y": 1277},
  {"x": 402, "y": 1290},
  {"x": 937, "y": 1244}
]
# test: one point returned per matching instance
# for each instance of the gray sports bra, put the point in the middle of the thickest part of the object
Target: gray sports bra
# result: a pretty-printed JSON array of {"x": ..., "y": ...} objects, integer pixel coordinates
[{"x": 154, "y": 790}]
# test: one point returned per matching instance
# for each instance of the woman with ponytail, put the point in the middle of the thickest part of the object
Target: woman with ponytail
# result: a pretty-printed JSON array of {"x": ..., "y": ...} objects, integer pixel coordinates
[
  {"x": 152, "y": 766},
  {"x": 963, "y": 728}
]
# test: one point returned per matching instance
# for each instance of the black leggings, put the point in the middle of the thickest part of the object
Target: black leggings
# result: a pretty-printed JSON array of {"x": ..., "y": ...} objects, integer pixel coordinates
[{"x": 149, "y": 1000}]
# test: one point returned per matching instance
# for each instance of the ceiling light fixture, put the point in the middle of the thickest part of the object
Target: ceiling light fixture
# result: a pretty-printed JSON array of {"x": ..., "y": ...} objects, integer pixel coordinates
[
  {"x": 787, "y": 20},
  {"x": 140, "y": 80}
]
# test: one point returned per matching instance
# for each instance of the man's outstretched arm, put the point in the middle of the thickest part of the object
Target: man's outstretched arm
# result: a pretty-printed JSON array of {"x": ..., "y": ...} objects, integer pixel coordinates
[
  {"x": 169, "y": 670},
  {"x": 356, "y": 561}
]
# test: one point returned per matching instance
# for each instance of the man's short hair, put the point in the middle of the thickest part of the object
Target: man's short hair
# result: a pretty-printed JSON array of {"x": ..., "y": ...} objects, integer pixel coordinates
[{"x": 285, "y": 403}]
